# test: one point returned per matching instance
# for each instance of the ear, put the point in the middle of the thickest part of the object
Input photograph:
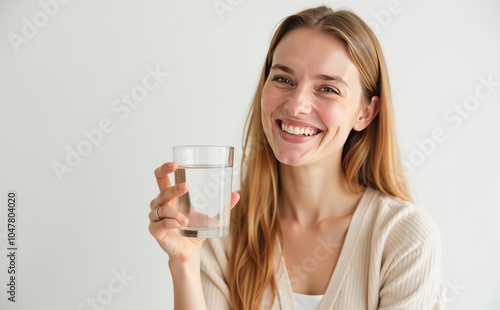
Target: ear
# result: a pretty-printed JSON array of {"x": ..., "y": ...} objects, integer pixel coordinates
[{"x": 367, "y": 114}]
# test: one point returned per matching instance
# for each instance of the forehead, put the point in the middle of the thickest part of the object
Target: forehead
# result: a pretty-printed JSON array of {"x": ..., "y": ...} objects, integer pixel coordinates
[{"x": 314, "y": 51}]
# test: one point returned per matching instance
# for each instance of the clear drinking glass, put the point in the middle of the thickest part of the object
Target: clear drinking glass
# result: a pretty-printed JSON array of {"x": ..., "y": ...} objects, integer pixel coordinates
[{"x": 208, "y": 170}]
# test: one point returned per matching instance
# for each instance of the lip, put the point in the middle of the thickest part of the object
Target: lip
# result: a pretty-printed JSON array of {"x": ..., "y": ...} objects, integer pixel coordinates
[
  {"x": 295, "y": 138},
  {"x": 296, "y": 123}
]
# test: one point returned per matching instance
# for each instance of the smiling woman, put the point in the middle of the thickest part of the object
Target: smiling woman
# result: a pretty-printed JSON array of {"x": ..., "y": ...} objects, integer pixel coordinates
[
  {"x": 313, "y": 86},
  {"x": 325, "y": 220}
]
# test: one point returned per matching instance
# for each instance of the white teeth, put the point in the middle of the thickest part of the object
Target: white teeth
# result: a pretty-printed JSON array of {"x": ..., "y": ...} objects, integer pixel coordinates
[{"x": 297, "y": 130}]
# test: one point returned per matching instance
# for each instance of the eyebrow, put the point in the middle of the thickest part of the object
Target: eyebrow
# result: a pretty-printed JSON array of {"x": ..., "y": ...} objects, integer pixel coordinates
[{"x": 324, "y": 77}]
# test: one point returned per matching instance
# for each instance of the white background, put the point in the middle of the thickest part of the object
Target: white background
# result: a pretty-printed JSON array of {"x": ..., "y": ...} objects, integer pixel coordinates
[{"x": 76, "y": 234}]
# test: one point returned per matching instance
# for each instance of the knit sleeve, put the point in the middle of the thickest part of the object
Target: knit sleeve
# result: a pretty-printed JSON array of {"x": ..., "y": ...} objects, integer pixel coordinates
[
  {"x": 213, "y": 279},
  {"x": 411, "y": 275}
]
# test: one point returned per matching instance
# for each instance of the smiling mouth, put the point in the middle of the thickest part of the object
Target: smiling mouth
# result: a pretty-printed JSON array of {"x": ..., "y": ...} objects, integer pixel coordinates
[{"x": 298, "y": 130}]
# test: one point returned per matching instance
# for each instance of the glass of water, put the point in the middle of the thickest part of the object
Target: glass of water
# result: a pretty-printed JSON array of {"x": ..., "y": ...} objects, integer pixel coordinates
[{"x": 208, "y": 170}]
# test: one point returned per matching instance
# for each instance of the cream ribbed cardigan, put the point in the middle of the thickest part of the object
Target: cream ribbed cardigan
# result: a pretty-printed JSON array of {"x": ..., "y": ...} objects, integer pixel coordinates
[{"x": 391, "y": 259}]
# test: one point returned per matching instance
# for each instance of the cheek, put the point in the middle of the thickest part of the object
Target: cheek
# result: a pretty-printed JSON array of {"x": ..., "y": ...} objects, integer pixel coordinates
[
  {"x": 334, "y": 115},
  {"x": 270, "y": 100}
]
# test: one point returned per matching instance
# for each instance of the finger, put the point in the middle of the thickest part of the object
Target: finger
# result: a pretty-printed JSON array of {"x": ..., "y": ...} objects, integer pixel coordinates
[
  {"x": 162, "y": 173},
  {"x": 160, "y": 229},
  {"x": 235, "y": 197},
  {"x": 168, "y": 195},
  {"x": 168, "y": 213}
]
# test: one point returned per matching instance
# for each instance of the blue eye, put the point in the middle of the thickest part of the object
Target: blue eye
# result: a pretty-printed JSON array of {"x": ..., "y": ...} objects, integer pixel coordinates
[
  {"x": 328, "y": 89},
  {"x": 281, "y": 79}
]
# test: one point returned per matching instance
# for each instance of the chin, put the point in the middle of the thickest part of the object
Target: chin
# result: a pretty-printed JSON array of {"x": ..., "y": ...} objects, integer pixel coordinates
[{"x": 290, "y": 158}]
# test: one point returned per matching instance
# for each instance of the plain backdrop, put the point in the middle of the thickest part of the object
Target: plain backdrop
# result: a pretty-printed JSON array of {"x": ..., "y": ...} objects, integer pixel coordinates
[{"x": 66, "y": 70}]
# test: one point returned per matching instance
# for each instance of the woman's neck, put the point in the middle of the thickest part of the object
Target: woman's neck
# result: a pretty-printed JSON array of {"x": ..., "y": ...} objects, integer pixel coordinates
[{"x": 312, "y": 193}]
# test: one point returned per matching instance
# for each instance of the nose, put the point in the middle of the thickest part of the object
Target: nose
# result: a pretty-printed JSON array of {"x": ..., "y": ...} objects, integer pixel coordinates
[{"x": 299, "y": 102}]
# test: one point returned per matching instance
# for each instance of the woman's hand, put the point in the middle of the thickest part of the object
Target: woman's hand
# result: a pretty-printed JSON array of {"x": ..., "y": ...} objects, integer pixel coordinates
[{"x": 164, "y": 230}]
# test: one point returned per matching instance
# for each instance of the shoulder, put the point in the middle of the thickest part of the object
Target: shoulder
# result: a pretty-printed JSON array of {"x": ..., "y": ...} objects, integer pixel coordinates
[
  {"x": 402, "y": 224},
  {"x": 217, "y": 247},
  {"x": 213, "y": 268},
  {"x": 213, "y": 272},
  {"x": 406, "y": 246},
  {"x": 215, "y": 252}
]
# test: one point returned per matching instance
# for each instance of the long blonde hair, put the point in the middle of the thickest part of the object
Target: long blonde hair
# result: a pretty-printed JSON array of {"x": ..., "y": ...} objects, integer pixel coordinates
[{"x": 370, "y": 158}]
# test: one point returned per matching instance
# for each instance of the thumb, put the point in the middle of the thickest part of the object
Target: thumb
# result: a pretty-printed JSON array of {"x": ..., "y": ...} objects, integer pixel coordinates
[{"x": 235, "y": 197}]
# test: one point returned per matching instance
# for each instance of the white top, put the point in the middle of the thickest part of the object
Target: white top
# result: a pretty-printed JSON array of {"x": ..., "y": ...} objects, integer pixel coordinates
[
  {"x": 390, "y": 260},
  {"x": 306, "y": 302}
]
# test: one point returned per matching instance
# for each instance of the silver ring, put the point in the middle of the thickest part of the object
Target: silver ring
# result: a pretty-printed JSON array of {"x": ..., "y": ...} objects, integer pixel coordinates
[{"x": 157, "y": 215}]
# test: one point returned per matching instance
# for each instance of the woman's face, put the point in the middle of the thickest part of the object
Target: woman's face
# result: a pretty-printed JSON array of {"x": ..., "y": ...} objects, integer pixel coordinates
[{"x": 311, "y": 99}]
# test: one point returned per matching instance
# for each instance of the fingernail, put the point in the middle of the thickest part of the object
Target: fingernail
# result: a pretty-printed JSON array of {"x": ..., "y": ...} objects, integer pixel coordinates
[
  {"x": 170, "y": 165},
  {"x": 184, "y": 220},
  {"x": 183, "y": 185}
]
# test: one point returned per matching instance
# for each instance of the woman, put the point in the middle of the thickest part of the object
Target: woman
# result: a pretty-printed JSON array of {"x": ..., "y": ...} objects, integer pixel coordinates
[{"x": 325, "y": 219}]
